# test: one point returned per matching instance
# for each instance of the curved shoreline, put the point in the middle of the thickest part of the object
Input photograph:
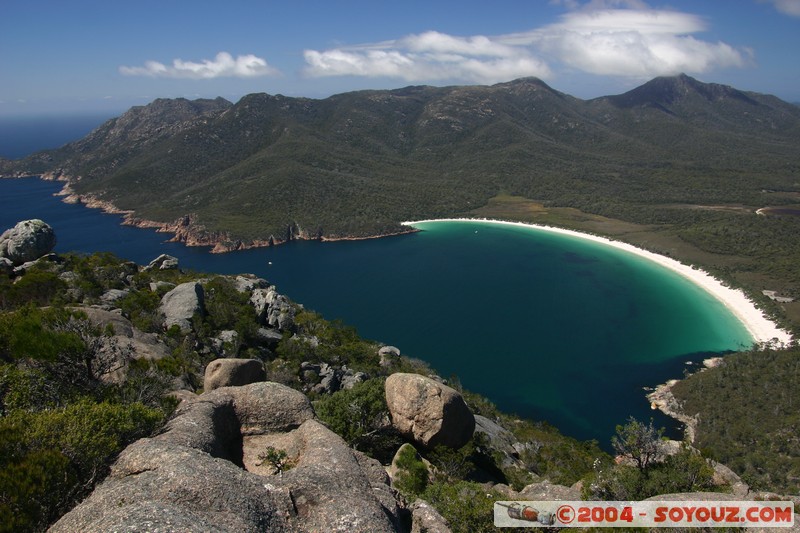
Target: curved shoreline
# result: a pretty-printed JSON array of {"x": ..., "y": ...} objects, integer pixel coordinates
[
  {"x": 760, "y": 328},
  {"x": 185, "y": 230}
]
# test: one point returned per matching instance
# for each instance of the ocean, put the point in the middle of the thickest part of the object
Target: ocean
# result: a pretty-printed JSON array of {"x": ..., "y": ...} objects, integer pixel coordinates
[
  {"x": 547, "y": 326},
  {"x": 24, "y": 135}
]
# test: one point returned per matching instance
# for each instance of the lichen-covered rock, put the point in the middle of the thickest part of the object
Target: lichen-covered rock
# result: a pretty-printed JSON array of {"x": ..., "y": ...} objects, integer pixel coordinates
[
  {"x": 161, "y": 285},
  {"x": 249, "y": 283},
  {"x": 330, "y": 489},
  {"x": 549, "y": 491},
  {"x": 208, "y": 471},
  {"x": 232, "y": 373},
  {"x": 164, "y": 486},
  {"x": 27, "y": 241},
  {"x": 163, "y": 262},
  {"x": 273, "y": 309},
  {"x": 389, "y": 355},
  {"x": 426, "y": 519},
  {"x": 427, "y": 411},
  {"x": 111, "y": 296},
  {"x": 226, "y": 344},
  {"x": 500, "y": 439},
  {"x": 123, "y": 341},
  {"x": 181, "y": 303}
]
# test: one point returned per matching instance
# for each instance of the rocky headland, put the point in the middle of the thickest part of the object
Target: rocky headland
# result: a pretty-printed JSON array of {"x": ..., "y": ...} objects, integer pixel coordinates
[{"x": 190, "y": 232}]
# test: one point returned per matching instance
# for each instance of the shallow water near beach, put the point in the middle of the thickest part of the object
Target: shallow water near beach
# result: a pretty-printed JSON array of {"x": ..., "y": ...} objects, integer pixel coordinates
[{"x": 548, "y": 326}]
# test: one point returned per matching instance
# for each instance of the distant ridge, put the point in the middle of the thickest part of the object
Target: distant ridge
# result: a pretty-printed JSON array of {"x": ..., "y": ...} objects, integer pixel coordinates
[
  {"x": 666, "y": 91},
  {"x": 271, "y": 168}
]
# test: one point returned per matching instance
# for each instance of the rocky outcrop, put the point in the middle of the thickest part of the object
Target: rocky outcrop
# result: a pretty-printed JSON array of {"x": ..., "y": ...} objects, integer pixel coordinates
[
  {"x": 233, "y": 372},
  {"x": 125, "y": 342},
  {"x": 426, "y": 519},
  {"x": 323, "y": 378},
  {"x": 428, "y": 412},
  {"x": 389, "y": 355},
  {"x": 162, "y": 262},
  {"x": 663, "y": 400},
  {"x": 214, "y": 469},
  {"x": 273, "y": 309},
  {"x": 180, "y": 304},
  {"x": 111, "y": 296},
  {"x": 27, "y": 241},
  {"x": 501, "y": 440}
]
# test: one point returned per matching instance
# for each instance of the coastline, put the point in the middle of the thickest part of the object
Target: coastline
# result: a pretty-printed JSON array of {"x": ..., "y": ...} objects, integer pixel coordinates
[
  {"x": 185, "y": 229},
  {"x": 761, "y": 329}
]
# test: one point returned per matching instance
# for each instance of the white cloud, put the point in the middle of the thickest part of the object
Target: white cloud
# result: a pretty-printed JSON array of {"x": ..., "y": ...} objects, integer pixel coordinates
[
  {"x": 604, "y": 37},
  {"x": 635, "y": 42},
  {"x": 224, "y": 65},
  {"x": 429, "y": 56},
  {"x": 788, "y": 7}
]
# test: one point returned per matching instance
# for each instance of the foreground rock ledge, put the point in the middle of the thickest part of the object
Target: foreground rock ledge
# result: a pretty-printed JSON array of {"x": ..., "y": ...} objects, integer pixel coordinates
[{"x": 208, "y": 472}]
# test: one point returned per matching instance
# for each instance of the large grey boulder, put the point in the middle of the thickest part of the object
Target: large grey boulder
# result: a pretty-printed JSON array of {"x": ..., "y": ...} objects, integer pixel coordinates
[
  {"x": 163, "y": 262},
  {"x": 111, "y": 296},
  {"x": 27, "y": 241},
  {"x": 211, "y": 470},
  {"x": 164, "y": 486},
  {"x": 232, "y": 373},
  {"x": 427, "y": 411},
  {"x": 273, "y": 309},
  {"x": 181, "y": 303}
]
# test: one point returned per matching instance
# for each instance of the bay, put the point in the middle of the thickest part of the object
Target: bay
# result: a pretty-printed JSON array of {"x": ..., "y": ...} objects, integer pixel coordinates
[{"x": 548, "y": 326}]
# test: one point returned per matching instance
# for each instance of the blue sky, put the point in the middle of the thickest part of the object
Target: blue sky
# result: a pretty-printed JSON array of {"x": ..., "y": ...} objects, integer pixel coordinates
[{"x": 62, "y": 56}]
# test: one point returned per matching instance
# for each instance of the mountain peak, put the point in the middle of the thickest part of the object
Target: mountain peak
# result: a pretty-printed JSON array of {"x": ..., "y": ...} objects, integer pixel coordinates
[{"x": 666, "y": 91}]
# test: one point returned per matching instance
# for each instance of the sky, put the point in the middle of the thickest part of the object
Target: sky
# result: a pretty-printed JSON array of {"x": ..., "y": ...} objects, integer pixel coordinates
[{"x": 70, "y": 56}]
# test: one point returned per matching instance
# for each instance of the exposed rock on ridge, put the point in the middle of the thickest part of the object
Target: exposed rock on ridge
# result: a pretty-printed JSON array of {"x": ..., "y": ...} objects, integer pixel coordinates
[
  {"x": 204, "y": 473},
  {"x": 27, "y": 241},
  {"x": 427, "y": 411}
]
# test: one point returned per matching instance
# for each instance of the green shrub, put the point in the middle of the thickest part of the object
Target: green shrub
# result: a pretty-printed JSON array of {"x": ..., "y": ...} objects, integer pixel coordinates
[
  {"x": 358, "y": 414},
  {"x": 51, "y": 459},
  {"x": 468, "y": 507},
  {"x": 686, "y": 471},
  {"x": 141, "y": 307},
  {"x": 411, "y": 477}
]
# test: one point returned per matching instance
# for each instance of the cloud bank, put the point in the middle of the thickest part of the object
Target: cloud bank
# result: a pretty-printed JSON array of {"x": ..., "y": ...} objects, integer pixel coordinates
[
  {"x": 224, "y": 65},
  {"x": 604, "y": 37},
  {"x": 788, "y": 7}
]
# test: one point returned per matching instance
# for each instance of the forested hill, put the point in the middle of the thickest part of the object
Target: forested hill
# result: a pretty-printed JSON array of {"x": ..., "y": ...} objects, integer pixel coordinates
[{"x": 358, "y": 163}]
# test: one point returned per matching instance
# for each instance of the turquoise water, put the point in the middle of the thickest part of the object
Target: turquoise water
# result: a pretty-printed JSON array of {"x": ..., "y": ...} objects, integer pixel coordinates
[{"x": 548, "y": 326}]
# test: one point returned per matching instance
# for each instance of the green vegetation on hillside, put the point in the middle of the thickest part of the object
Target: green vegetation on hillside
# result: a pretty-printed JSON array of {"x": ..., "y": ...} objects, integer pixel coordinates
[{"x": 748, "y": 415}]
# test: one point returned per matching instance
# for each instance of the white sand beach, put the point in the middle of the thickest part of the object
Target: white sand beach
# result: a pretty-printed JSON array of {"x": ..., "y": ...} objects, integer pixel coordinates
[{"x": 759, "y": 326}]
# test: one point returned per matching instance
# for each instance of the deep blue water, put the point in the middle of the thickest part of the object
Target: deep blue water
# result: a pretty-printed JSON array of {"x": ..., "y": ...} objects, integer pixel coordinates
[
  {"x": 22, "y": 136},
  {"x": 547, "y": 326}
]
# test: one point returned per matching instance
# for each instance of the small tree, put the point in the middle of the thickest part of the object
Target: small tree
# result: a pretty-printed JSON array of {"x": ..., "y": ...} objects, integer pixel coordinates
[{"x": 638, "y": 441}]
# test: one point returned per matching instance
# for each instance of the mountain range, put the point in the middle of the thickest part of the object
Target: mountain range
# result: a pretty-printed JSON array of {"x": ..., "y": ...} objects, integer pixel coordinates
[{"x": 271, "y": 168}]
